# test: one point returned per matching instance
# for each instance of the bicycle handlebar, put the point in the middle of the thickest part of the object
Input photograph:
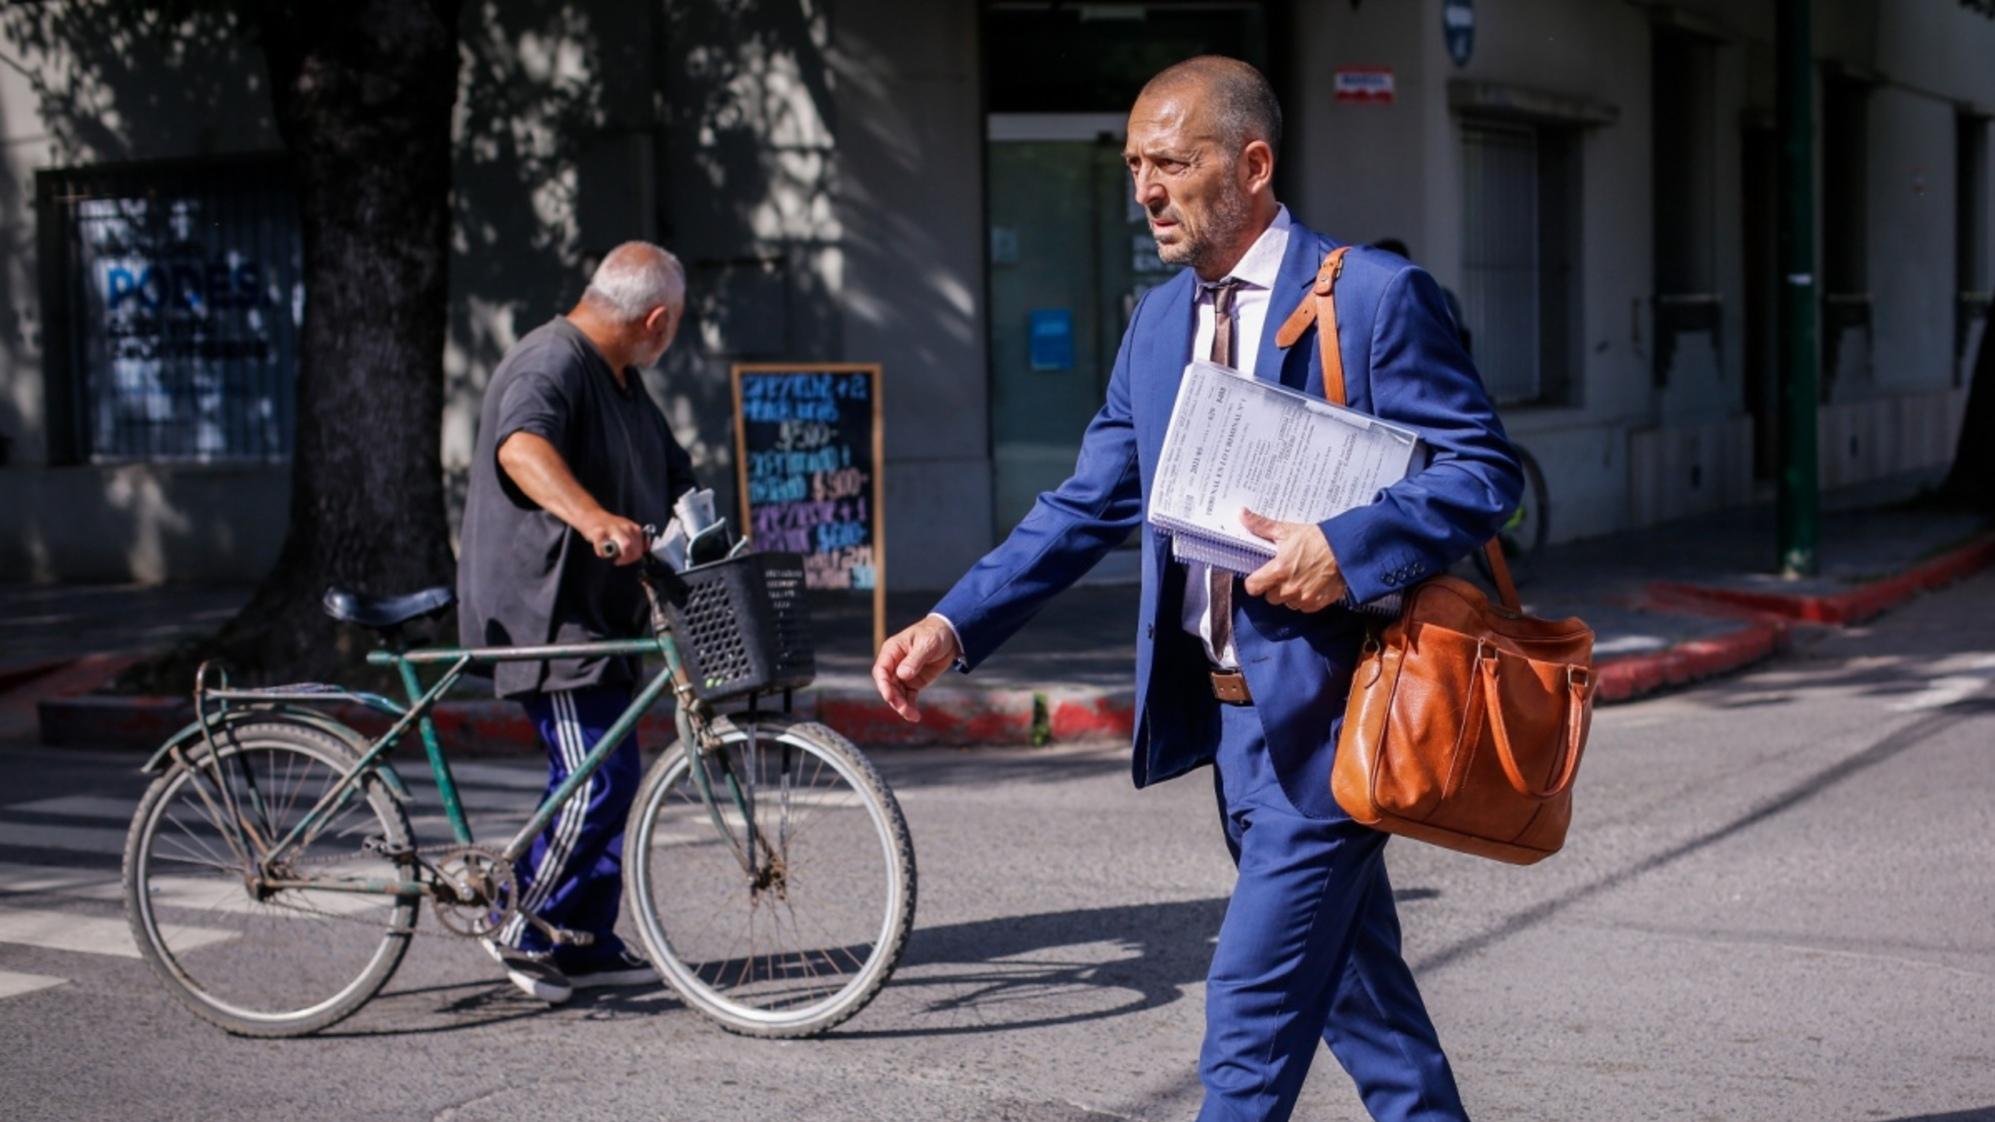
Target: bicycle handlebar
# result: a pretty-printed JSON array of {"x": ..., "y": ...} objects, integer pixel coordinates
[{"x": 608, "y": 550}]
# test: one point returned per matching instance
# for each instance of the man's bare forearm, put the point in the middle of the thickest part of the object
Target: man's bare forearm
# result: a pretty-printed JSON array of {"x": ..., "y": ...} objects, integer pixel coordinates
[{"x": 535, "y": 466}]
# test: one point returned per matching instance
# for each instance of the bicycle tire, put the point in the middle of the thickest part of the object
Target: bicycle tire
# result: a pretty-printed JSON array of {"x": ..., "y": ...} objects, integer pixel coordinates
[
  {"x": 694, "y": 978},
  {"x": 145, "y": 848}
]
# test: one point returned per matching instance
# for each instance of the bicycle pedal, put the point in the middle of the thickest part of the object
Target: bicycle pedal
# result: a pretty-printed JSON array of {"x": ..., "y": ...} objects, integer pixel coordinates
[{"x": 562, "y": 936}]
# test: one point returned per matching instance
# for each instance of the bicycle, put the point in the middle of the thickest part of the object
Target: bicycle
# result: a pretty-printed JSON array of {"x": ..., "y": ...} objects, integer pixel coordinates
[{"x": 273, "y": 880}]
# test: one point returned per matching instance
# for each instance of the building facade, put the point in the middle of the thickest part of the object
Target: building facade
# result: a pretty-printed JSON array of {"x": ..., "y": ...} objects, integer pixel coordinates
[{"x": 937, "y": 187}]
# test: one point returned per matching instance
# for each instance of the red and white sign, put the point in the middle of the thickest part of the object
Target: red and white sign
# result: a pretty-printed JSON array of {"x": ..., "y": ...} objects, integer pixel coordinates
[{"x": 1364, "y": 85}]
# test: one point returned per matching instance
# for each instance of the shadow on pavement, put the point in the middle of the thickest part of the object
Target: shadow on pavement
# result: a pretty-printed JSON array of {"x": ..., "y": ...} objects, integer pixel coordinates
[
  {"x": 1903, "y": 738},
  {"x": 1090, "y": 964},
  {"x": 456, "y": 1006},
  {"x": 1054, "y": 959}
]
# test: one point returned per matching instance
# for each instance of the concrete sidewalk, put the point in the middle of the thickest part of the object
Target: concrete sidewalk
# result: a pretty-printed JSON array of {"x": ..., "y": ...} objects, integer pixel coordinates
[{"x": 1669, "y": 605}]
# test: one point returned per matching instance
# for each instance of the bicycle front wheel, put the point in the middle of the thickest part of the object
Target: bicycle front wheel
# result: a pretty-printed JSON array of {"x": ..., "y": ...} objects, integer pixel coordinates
[
  {"x": 257, "y": 960},
  {"x": 799, "y": 936}
]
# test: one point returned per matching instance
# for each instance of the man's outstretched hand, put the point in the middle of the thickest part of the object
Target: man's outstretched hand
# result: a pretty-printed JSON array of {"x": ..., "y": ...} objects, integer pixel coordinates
[
  {"x": 911, "y": 661},
  {"x": 1303, "y": 574}
]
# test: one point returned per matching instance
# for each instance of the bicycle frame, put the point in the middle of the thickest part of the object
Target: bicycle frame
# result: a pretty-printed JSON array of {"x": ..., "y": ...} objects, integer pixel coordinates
[{"x": 691, "y": 715}]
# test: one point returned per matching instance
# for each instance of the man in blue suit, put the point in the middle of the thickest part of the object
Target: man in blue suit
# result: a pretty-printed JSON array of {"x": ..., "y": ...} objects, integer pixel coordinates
[{"x": 1253, "y": 676}]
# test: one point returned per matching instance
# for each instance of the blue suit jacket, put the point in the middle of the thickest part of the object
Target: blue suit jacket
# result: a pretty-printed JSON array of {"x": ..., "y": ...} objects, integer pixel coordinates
[{"x": 1403, "y": 361}]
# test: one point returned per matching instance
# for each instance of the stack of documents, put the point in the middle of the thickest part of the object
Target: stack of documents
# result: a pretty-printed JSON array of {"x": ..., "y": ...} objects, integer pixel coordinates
[{"x": 1237, "y": 442}]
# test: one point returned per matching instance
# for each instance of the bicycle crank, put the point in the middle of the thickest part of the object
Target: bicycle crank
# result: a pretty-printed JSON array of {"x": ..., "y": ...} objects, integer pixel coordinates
[{"x": 475, "y": 893}]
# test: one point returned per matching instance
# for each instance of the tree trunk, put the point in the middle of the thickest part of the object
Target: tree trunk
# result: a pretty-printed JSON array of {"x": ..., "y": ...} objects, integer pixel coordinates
[{"x": 363, "y": 93}]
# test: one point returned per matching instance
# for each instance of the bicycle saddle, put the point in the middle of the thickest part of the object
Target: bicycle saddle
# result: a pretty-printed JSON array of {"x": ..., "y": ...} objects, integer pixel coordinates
[{"x": 387, "y": 611}]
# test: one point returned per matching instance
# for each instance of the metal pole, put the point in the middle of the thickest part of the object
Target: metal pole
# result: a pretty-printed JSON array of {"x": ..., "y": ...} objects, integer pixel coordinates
[{"x": 1799, "y": 362}]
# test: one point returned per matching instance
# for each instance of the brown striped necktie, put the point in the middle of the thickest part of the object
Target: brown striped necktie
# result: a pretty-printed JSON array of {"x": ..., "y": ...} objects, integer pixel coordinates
[{"x": 1220, "y": 581}]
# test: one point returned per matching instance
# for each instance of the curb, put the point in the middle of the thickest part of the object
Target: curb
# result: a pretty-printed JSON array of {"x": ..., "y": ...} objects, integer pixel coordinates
[
  {"x": 1632, "y": 676},
  {"x": 13, "y": 677},
  {"x": 1856, "y": 605},
  {"x": 961, "y": 718}
]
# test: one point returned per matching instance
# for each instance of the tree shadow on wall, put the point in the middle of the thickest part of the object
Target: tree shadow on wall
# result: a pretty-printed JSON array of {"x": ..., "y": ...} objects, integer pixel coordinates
[
  {"x": 707, "y": 126},
  {"x": 704, "y": 126}
]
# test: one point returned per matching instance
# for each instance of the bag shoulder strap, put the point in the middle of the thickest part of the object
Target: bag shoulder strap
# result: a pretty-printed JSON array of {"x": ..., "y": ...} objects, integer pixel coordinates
[{"x": 1321, "y": 310}]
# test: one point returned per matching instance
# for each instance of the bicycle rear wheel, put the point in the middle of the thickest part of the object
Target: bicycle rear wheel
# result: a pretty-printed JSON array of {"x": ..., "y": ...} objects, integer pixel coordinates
[
  {"x": 808, "y": 936},
  {"x": 273, "y": 963}
]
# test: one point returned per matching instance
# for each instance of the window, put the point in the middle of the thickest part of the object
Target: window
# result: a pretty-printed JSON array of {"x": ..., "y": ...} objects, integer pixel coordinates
[
  {"x": 173, "y": 296},
  {"x": 1685, "y": 166},
  {"x": 1971, "y": 204},
  {"x": 1686, "y": 173},
  {"x": 1845, "y": 232},
  {"x": 1519, "y": 247}
]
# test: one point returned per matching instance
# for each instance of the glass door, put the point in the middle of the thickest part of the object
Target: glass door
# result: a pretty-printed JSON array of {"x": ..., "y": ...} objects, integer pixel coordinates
[{"x": 1069, "y": 256}]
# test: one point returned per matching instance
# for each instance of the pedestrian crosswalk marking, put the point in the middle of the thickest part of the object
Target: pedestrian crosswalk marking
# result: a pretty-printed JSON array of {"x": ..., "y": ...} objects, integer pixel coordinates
[
  {"x": 80, "y": 806},
  {"x": 14, "y": 985},
  {"x": 62, "y": 931},
  {"x": 216, "y": 894},
  {"x": 54, "y": 879},
  {"x": 85, "y": 839},
  {"x": 35, "y": 898}
]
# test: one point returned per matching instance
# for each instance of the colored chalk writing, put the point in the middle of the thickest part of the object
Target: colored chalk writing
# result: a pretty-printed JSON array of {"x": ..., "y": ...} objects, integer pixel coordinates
[{"x": 807, "y": 443}]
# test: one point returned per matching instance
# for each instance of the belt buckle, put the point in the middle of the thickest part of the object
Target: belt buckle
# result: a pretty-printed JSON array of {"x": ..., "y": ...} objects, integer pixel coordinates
[{"x": 1230, "y": 687}]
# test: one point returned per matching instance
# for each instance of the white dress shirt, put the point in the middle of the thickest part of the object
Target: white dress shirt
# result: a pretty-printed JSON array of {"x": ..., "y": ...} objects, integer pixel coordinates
[{"x": 1256, "y": 271}]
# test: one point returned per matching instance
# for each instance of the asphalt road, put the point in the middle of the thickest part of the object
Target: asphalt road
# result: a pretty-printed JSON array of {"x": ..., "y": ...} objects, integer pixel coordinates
[{"x": 1778, "y": 902}]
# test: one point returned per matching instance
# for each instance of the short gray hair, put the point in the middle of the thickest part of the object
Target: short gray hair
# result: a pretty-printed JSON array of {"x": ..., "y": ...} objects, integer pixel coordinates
[{"x": 634, "y": 278}]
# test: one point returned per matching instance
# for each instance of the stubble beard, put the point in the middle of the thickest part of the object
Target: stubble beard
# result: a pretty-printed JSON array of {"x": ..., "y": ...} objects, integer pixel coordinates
[{"x": 1227, "y": 221}]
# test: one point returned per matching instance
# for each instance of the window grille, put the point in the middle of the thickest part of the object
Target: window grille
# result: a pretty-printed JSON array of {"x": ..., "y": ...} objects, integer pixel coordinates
[{"x": 174, "y": 295}]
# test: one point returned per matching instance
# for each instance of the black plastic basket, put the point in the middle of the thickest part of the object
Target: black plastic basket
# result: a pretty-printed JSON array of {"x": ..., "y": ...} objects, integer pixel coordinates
[{"x": 743, "y": 625}]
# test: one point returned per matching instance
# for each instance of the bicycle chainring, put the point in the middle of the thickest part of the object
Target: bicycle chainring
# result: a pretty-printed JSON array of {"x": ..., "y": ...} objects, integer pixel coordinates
[{"x": 476, "y": 891}]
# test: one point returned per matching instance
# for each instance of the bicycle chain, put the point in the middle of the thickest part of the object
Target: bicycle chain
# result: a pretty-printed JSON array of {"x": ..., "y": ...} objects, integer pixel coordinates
[{"x": 440, "y": 849}]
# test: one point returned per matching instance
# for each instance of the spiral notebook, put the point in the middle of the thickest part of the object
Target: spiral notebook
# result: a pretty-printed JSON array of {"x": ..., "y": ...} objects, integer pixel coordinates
[{"x": 1237, "y": 442}]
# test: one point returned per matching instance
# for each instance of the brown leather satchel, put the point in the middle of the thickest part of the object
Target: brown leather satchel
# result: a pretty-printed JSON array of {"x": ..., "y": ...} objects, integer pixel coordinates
[{"x": 1467, "y": 719}]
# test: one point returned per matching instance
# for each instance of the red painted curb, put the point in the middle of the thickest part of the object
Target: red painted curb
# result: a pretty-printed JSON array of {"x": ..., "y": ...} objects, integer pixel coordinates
[
  {"x": 1632, "y": 676},
  {"x": 1091, "y": 715},
  {"x": 1841, "y": 608},
  {"x": 23, "y": 673},
  {"x": 949, "y": 717}
]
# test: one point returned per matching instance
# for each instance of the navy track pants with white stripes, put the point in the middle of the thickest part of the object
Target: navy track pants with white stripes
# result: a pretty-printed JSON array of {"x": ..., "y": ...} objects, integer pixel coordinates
[{"x": 573, "y": 876}]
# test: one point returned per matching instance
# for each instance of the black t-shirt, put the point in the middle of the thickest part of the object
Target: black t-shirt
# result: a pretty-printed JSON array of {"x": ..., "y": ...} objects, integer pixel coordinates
[{"x": 523, "y": 576}]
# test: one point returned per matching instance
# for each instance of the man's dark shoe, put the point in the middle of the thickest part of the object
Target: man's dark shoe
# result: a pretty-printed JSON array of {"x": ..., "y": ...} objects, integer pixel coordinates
[
  {"x": 534, "y": 975},
  {"x": 622, "y": 968}
]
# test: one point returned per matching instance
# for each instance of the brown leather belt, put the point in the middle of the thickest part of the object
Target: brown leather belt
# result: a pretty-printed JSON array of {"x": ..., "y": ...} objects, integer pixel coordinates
[{"x": 1230, "y": 687}]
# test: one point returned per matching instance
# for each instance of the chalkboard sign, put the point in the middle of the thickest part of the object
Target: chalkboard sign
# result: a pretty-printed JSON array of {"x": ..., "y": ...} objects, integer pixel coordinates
[{"x": 807, "y": 446}]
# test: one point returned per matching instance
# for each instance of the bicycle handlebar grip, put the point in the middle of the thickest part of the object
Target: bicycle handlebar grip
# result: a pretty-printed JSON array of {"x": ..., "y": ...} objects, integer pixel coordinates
[{"x": 609, "y": 550}]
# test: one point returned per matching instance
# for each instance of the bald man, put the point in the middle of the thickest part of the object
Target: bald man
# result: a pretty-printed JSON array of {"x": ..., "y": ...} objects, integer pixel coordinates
[
  {"x": 1252, "y": 676},
  {"x": 573, "y": 457}
]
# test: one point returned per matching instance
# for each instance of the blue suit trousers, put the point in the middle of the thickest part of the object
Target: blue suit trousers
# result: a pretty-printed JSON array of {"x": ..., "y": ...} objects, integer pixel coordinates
[{"x": 1309, "y": 948}]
